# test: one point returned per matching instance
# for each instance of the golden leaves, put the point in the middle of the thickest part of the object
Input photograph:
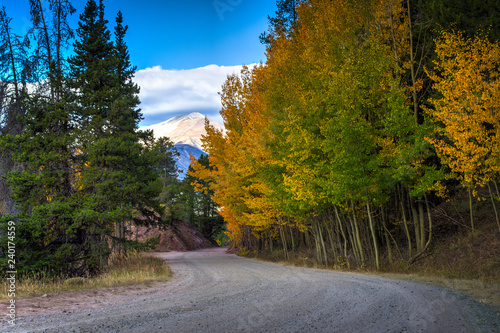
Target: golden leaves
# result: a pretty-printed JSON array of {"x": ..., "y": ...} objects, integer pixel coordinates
[{"x": 466, "y": 77}]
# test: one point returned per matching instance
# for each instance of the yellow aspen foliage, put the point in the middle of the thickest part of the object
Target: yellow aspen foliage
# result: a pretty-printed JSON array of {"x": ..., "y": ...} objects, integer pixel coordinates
[
  {"x": 331, "y": 84},
  {"x": 238, "y": 155},
  {"x": 390, "y": 27},
  {"x": 323, "y": 124},
  {"x": 466, "y": 76}
]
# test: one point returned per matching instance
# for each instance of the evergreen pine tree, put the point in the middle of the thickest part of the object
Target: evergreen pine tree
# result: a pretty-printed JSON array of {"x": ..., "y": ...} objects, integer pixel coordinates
[
  {"x": 168, "y": 172},
  {"x": 281, "y": 24},
  {"x": 43, "y": 190},
  {"x": 12, "y": 56},
  {"x": 117, "y": 177},
  {"x": 126, "y": 113},
  {"x": 469, "y": 16},
  {"x": 92, "y": 70}
]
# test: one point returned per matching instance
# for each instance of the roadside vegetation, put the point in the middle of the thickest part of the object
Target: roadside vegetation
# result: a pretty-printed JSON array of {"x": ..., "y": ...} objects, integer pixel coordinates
[
  {"x": 460, "y": 260},
  {"x": 369, "y": 139},
  {"x": 77, "y": 174},
  {"x": 122, "y": 269}
]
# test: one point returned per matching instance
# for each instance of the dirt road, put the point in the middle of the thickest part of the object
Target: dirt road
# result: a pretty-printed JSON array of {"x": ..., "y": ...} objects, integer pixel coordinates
[{"x": 217, "y": 292}]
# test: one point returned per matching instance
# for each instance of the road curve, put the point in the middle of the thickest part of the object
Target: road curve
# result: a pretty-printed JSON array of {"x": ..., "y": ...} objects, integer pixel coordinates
[{"x": 217, "y": 292}]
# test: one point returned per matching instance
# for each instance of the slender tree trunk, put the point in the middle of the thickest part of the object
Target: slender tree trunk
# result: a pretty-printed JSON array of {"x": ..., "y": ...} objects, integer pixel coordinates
[
  {"x": 49, "y": 51},
  {"x": 421, "y": 216},
  {"x": 58, "y": 47},
  {"x": 416, "y": 224},
  {"x": 343, "y": 236},
  {"x": 336, "y": 231},
  {"x": 429, "y": 217},
  {"x": 494, "y": 206},
  {"x": 412, "y": 69},
  {"x": 14, "y": 73},
  {"x": 284, "y": 242},
  {"x": 323, "y": 246},
  {"x": 387, "y": 236},
  {"x": 330, "y": 231},
  {"x": 470, "y": 209},
  {"x": 291, "y": 235},
  {"x": 354, "y": 243},
  {"x": 357, "y": 236},
  {"x": 374, "y": 236},
  {"x": 316, "y": 244},
  {"x": 496, "y": 188},
  {"x": 405, "y": 223},
  {"x": 422, "y": 251},
  {"x": 332, "y": 244}
]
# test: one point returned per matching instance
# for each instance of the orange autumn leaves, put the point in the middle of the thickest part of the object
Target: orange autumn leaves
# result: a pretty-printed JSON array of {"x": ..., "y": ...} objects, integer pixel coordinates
[
  {"x": 237, "y": 155},
  {"x": 326, "y": 122},
  {"x": 295, "y": 127}
]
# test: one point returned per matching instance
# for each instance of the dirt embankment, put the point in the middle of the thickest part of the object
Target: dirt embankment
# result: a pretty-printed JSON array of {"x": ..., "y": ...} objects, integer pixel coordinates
[{"x": 177, "y": 237}]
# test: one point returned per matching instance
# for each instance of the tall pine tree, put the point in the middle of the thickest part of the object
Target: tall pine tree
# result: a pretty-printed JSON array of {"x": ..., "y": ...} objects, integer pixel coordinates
[
  {"x": 43, "y": 190},
  {"x": 117, "y": 179},
  {"x": 88, "y": 170}
]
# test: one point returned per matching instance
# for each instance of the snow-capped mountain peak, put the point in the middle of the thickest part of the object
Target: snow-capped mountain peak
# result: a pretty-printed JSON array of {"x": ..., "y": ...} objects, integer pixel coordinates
[
  {"x": 184, "y": 129},
  {"x": 185, "y": 132}
]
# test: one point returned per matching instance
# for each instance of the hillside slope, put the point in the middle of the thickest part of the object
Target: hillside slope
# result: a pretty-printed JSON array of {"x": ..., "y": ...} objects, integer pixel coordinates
[{"x": 178, "y": 237}]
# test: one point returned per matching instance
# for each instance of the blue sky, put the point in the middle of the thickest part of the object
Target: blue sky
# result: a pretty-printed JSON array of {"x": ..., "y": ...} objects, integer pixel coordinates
[{"x": 169, "y": 40}]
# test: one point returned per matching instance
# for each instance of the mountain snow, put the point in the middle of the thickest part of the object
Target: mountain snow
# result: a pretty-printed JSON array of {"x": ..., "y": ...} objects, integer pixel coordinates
[
  {"x": 185, "y": 129},
  {"x": 185, "y": 132}
]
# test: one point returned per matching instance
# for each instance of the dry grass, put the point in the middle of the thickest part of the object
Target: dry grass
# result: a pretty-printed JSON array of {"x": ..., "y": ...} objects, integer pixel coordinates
[
  {"x": 122, "y": 270},
  {"x": 464, "y": 261},
  {"x": 461, "y": 261},
  {"x": 481, "y": 291},
  {"x": 482, "y": 288}
]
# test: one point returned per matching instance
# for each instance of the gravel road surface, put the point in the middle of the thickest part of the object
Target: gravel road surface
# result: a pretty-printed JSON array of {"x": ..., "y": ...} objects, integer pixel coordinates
[{"x": 213, "y": 291}]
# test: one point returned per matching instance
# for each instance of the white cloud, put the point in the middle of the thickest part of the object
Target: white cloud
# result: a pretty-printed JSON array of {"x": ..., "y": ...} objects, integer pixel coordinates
[{"x": 167, "y": 93}]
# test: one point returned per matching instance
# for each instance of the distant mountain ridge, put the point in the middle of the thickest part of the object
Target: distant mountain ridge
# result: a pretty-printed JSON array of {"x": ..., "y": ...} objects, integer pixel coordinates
[
  {"x": 185, "y": 129},
  {"x": 185, "y": 132}
]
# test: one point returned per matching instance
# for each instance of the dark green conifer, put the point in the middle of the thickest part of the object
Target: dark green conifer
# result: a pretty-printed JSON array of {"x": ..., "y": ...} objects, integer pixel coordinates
[
  {"x": 43, "y": 189},
  {"x": 118, "y": 181}
]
